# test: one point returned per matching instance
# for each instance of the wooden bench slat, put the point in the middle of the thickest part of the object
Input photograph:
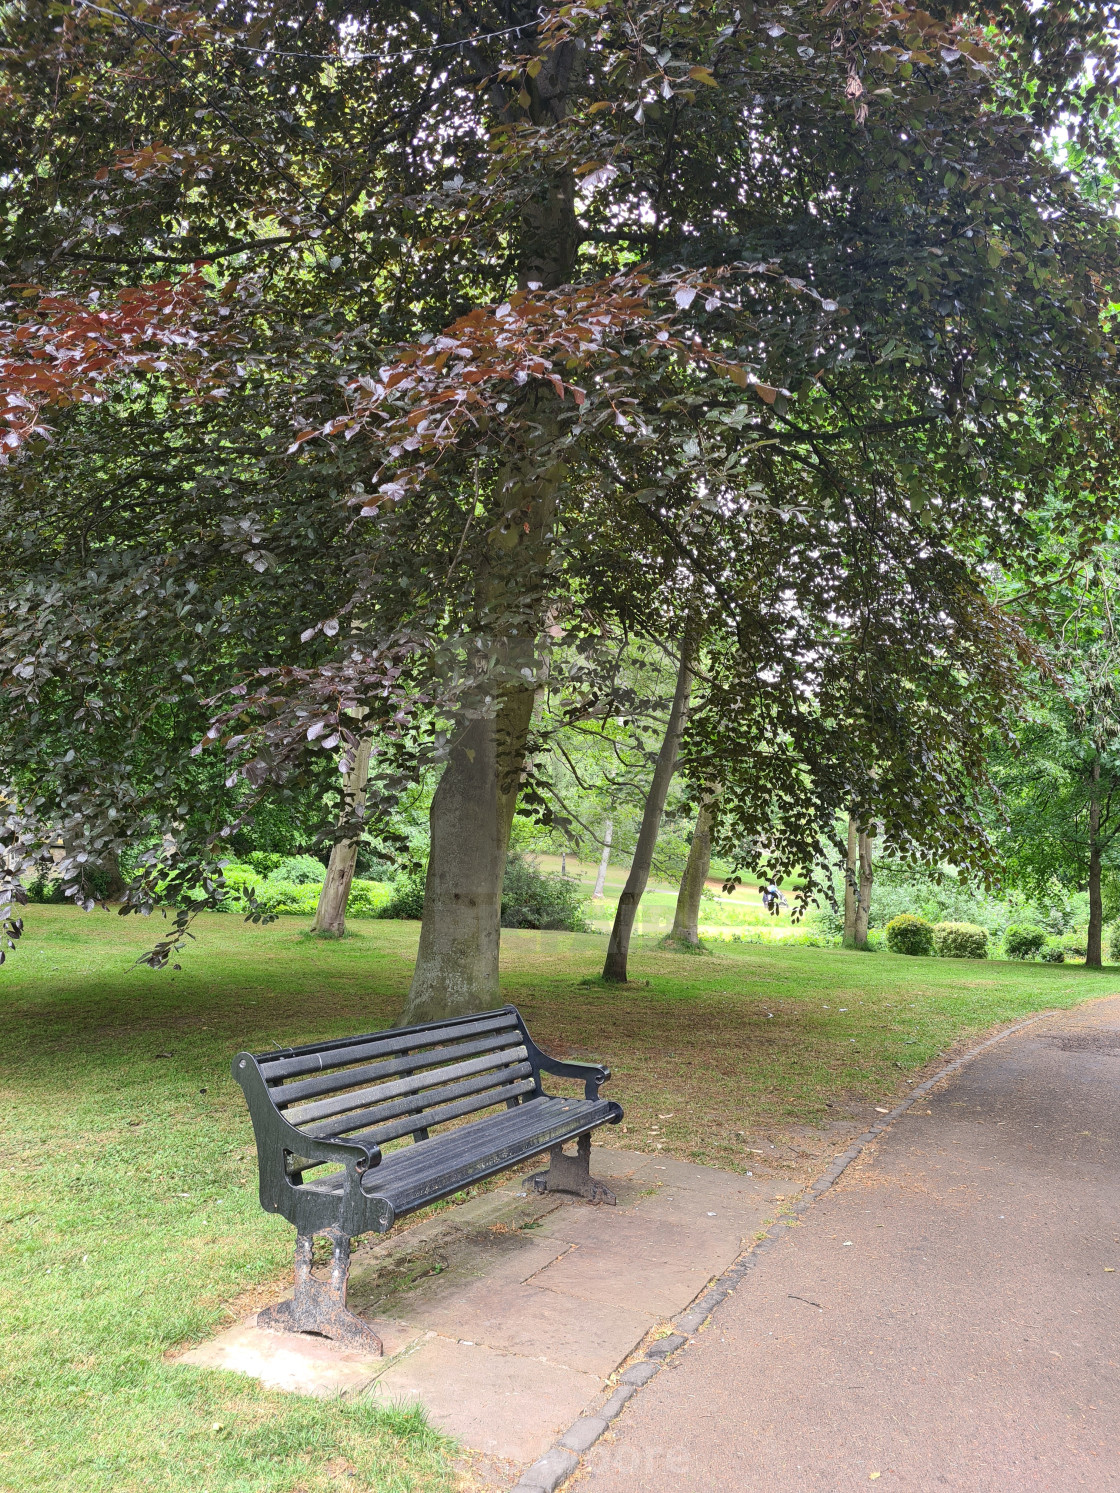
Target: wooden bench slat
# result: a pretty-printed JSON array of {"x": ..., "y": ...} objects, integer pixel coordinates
[
  {"x": 287, "y": 1095},
  {"x": 435, "y": 1070},
  {"x": 293, "y": 1061},
  {"x": 415, "y": 1103}
]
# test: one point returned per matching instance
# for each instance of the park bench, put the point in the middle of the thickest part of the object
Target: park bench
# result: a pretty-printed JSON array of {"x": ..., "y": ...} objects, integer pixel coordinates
[{"x": 475, "y": 1081}]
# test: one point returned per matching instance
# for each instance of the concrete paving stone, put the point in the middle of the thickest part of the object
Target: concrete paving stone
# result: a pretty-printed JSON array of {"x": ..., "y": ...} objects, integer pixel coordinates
[
  {"x": 633, "y": 1233},
  {"x": 497, "y": 1403},
  {"x": 616, "y": 1401},
  {"x": 520, "y": 1265},
  {"x": 666, "y": 1345},
  {"x": 621, "y": 1278},
  {"x": 550, "y": 1471},
  {"x": 296, "y": 1361},
  {"x": 584, "y": 1433},
  {"x": 538, "y": 1323}
]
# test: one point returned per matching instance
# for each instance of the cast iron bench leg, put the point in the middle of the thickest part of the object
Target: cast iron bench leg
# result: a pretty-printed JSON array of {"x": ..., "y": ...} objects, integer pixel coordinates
[
  {"x": 320, "y": 1306},
  {"x": 573, "y": 1174}
]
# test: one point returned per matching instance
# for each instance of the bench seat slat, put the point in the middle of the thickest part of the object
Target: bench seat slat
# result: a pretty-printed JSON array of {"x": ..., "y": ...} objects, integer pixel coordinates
[
  {"x": 293, "y": 1061},
  {"x": 414, "y": 1103},
  {"x": 364, "y": 1097},
  {"x": 349, "y": 1078},
  {"x": 455, "y": 1147}
]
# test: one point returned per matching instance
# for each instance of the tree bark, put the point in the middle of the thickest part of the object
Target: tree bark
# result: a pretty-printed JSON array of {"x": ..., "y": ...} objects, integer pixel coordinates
[
  {"x": 858, "y": 877},
  {"x": 471, "y": 818},
  {"x": 1093, "y": 951},
  {"x": 686, "y": 918},
  {"x": 330, "y": 914},
  {"x": 604, "y": 862},
  {"x": 618, "y": 949}
]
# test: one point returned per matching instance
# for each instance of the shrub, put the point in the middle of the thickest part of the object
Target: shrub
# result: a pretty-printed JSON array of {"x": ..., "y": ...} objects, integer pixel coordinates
[
  {"x": 960, "y": 940},
  {"x": 367, "y": 898},
  {"x": 530, "y": 899},
  {"x": 406, "y": 898},
  {"x": 299, "y": 870},
  {"x": 907, "y": 934},
  {"x": 263, "y": 862},
  {"x": 1114, "y": 943},
  {"x": 1052, "y": 952},
  {"x": 1023, "y": 942}
]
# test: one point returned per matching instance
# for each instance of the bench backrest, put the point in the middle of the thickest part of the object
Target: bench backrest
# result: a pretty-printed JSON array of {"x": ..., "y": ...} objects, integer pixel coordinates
[{"x": 390, "y": 1084}]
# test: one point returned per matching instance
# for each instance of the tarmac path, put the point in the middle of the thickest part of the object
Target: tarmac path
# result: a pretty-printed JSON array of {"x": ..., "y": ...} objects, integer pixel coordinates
[{"x": 947, "y": 1317}]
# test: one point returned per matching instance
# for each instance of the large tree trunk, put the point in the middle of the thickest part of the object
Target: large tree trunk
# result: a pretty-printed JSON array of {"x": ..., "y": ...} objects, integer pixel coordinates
[
  {"x": 858, "y": 877},
  {"x": 1093, "y": 953},
  {"x": 471, "y": 817},
  {"x": 330, "y": 914},
  {"x": 618, "y": 949},
  {"x": 686, "y": 918},
  {"x": 604, "y": 861},
  {"x": 473, "y": 807}
]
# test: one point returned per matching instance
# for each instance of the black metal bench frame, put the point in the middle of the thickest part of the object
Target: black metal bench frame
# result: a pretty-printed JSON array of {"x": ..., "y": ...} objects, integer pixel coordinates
[{"x": 340, "y": 1102}]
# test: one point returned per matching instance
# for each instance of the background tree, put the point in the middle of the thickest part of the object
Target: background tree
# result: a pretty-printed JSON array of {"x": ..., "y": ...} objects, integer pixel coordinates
[{"x": 1058, "y": 781}]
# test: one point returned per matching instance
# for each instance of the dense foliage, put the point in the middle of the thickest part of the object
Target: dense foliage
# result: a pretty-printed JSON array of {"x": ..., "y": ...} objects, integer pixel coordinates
[{"x": 960, "y": 941}]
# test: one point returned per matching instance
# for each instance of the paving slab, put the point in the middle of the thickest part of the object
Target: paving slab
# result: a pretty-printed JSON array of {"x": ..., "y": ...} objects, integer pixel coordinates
[
  {"x": 944, "y": 1320},
  {"x": 502, "y": 1404},
  {"x": 615, "y": 1280},
  {"x": 540, "y": 1323}
]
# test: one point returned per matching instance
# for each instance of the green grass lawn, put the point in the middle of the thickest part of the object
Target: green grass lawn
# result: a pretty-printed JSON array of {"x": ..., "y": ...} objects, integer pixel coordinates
[{"x": 130, "y": 1219}]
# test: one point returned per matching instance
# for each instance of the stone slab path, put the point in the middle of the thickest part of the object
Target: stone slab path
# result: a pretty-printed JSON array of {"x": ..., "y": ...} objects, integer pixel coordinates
[
  {"x": 509, "y": 1315},
  {"x": 947, "y": 1317}
]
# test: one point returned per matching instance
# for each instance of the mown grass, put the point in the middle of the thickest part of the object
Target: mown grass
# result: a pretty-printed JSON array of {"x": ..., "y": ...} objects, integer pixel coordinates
[{"x": 129, "y": 1215}]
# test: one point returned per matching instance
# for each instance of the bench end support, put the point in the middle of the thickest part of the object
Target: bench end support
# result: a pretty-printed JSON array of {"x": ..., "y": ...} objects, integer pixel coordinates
[
  {"x": 319, "y": 1306},
  {"x": 573, "y": 1174}
]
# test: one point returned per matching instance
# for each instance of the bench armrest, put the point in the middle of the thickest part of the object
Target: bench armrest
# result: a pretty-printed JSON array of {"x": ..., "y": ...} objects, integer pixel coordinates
[{"x": 592, "y": 1074}]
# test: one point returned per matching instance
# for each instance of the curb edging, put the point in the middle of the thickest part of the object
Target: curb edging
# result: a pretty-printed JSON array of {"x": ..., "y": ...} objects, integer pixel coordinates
[{"x": 561, "y": 1460}]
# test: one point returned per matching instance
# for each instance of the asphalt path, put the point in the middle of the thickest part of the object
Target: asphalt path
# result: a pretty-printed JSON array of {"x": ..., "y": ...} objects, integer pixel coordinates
[{"x": 946, "y": 1317}]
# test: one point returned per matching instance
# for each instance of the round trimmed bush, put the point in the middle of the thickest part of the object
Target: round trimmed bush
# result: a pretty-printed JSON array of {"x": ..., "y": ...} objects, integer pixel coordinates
[
  {"x": 1052, "y": 952},
  {"x": 960, "y": 940},
  {"x": 1023, "y": 942},
  {"x": 908, "y": 934},
  {"x": 1114, "y": 943}
]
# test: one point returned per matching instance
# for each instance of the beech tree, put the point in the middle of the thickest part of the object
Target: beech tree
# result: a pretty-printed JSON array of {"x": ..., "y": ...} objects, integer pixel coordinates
[{"x": 366, "y": 408}]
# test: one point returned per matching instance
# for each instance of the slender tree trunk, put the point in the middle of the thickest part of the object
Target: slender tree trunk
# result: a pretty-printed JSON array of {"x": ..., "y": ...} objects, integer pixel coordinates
[
  {"x": 618, "y": 949},
  {"x": 111, "y": 865},
  {"x": 330, "y": 914},
  {"x": 1093, "y": 952},
  {"x": 686, "y": 918},
  {"x": 858, "y": 877},
  {"x": 866, "y": 875},
  {"x": 604, "y": 862},
  {"x": 471, "y": 818}
]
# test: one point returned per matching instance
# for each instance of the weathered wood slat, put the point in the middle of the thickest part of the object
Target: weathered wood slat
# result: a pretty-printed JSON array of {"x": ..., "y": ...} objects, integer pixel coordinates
[
  {"x": 293, "y": 1061},
  {"x": 351, "y": 1078},
  {"x": 415, "y": 1104}
]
